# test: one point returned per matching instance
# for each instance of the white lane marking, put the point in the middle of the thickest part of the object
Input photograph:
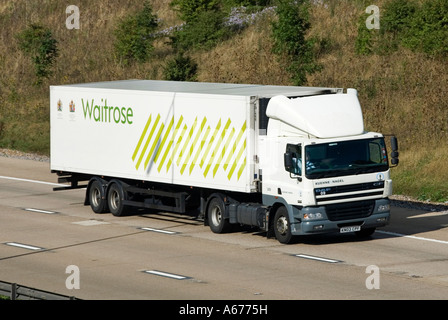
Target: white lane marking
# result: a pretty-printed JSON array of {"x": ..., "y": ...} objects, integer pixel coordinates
[
  {"x": 158, "y": 230},
  {"x": 411, "y": 237},
  {"x": 28, "y": 180},
  {"x": 165, "y": 274},
  {"x": 39, "y": 211},
  {"x": 305, "y": 256},
  {"x": 429, "y": 214},
  {"x": 24, "y": 246}
]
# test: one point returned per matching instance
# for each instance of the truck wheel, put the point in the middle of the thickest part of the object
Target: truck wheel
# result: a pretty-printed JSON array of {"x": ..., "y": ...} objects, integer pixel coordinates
[
  {"x": 97, "y": 198},
  {"x": 115, "y": 197},
  {"x": 216, "y": 220},
  {"x": 282, "y": 226}
]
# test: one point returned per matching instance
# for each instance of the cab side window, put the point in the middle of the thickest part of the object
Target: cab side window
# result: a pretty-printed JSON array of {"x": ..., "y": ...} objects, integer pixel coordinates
[{"x": 295, "y": 152}]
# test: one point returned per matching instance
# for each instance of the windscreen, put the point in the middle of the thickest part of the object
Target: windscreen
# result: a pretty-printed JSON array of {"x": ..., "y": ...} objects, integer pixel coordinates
[{"x": 345, "y": 158}]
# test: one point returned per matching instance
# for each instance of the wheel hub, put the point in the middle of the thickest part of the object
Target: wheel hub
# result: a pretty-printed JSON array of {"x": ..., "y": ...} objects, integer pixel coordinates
[
  {"x": 216, "y": 216},
  {"x": 282, "y": 225},
  {"x": 114, "y": 200}
]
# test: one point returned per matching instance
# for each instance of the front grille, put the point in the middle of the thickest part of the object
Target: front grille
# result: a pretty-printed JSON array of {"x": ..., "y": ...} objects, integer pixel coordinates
[
  {"x": 350, "y": 210},
  {"x": 370, "y": 189},
  {"x": 349, "y": 188}
]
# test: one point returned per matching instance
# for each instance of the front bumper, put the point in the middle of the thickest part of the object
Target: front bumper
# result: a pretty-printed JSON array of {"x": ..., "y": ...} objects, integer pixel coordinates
[{"x": 379, "y": 217}]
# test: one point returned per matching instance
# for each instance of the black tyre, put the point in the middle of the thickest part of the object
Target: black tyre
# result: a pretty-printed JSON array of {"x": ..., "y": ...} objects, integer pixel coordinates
[
  {"x": 115, "y": 197},
  {"x": 97, "y": 197},
  {"x": 215, "y": 214},
  {"x": 282, "y": 226}
]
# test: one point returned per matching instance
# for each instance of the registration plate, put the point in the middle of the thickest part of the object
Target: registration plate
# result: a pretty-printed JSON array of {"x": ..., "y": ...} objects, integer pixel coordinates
[{"x": 349, "y": 229}]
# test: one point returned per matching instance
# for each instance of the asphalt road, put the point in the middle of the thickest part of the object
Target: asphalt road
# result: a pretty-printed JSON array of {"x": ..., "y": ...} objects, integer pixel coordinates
[{"x": 43, "y": 234}]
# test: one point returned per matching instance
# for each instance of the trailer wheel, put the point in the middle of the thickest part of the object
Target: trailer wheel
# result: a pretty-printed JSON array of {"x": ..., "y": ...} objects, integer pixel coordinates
[
  {"x": 282, "y": 226},
  {"x": 216, "y": 220},
  {"x": 97, "y": 197},
  {"x": 115, "y": 197}
]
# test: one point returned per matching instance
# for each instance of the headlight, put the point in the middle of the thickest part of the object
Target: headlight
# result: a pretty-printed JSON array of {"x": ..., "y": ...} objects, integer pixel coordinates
[
  {"x": 312, "y": 216},
  {"x": 384, "y": 207}
]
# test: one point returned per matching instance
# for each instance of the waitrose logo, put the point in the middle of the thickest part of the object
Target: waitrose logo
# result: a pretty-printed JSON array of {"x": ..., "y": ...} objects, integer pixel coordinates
[{"x": 103, "y": 113}]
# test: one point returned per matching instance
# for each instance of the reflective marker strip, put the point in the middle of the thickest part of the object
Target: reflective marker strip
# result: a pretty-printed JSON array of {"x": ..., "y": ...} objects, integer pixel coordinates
[
  {"x": 158, "y": 230},
  {"x": 24, "y": 246},
  {"x": 167, "y": 275},
  {"x": 317, "y": 258}
]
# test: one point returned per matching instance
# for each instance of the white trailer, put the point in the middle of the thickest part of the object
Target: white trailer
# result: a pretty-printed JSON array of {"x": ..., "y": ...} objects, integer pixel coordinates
[{"x": 232, "y": 152}]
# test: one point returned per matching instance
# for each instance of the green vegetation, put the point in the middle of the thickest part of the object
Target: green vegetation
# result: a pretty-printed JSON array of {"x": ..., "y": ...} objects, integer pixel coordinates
[
  {"x": 290, "y": 42},
  {"x": 38, "y": 42},
  {"x": 181, "y": 68},
  {"x": 134, "y": 35},
  {"x": 191, "y": 10},
  {"x": 203, "y": 32},
  {"x": 400, "y": 70},
  {"x": 421, "y": 27}
]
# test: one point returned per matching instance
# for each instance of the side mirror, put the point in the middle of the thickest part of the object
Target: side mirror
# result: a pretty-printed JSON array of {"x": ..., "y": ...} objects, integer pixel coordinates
[
  {"x": 394, "y": 154},
  {"x": 394, "y": 143}
]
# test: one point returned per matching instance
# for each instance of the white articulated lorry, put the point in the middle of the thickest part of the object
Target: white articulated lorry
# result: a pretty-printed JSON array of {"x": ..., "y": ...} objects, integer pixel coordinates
[{"x": 288, "y": 160}]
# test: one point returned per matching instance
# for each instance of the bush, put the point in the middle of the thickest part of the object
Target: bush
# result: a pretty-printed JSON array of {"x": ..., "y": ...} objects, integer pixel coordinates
[
  {"x": 397, "y": 15},
  {"x": 134, "y": 36},
  {"x": 189, "y": 10},
  {"x": 247, "y": 3},
  {"x": 364, "y": 40},
  {"x": 204, "y": 32},
  {"x": 38, "y": 42},
  {"x": 429, "y": 30},
  {"x": 181, "y": 68},
  {"x": 289, "y": 33}
]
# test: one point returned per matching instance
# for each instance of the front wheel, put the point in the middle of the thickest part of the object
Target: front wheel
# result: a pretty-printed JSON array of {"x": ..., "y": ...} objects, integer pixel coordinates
[
  {"x": 282, "y": 226},
  {"x": 216, "y": 220}
]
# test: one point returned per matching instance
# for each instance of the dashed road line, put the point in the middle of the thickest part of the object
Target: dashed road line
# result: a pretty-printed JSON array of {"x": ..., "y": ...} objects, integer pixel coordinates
[
  {"x": 23, "y": 246},
  {"x": 411, "y": 237},
  {"x": 305, "y": 256},
  {"x": 39, "y": 211},
  {"x": 29, "y": 180},
  {"x": 159, "y": 230},
  {"x": 166, "y": 274}
]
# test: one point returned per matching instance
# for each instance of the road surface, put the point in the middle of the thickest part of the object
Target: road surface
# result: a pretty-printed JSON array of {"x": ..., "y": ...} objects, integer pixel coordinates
[{"x": 51, "y": 241}]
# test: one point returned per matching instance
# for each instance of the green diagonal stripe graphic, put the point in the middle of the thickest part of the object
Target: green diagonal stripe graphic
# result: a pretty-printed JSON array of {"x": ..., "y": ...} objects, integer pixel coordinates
[{"x": 141, "y": 138}]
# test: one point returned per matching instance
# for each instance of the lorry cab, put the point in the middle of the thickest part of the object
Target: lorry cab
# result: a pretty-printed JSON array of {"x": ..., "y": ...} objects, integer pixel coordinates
[{"x": 323, "y": 168}]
